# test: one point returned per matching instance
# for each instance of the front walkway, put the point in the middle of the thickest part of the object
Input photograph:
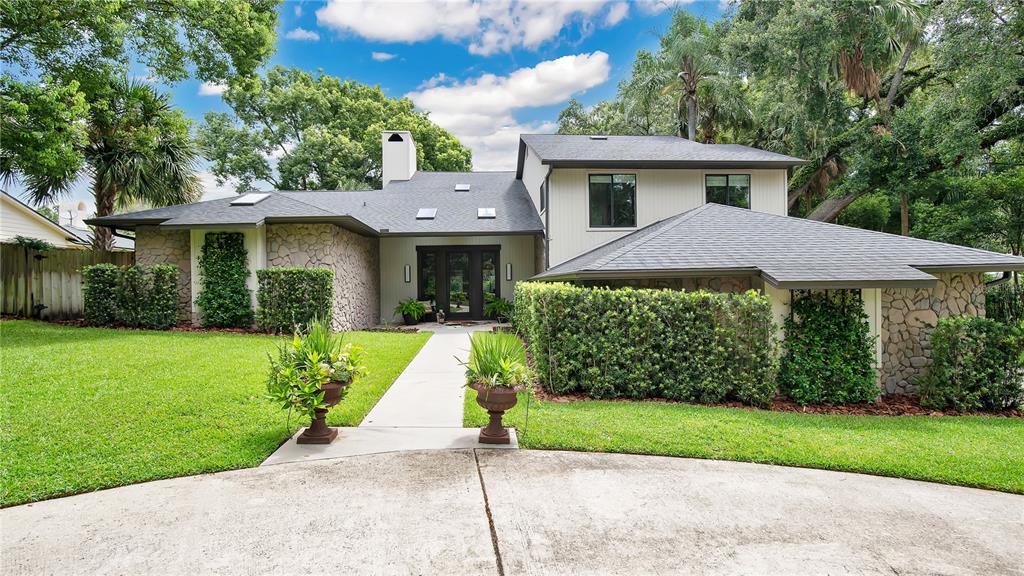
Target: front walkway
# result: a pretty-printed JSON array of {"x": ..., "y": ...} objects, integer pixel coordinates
[
  {"x": 422, "y": 410},
  {"x": 518, "y": 512}
]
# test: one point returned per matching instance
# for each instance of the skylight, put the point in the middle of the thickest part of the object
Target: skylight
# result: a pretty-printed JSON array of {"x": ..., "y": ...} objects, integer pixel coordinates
[
  {"x": 248, "y": 199},
  {"x": 598, "y": 137},
  {"x": 426, "y": 214},
  {"x": 462, "y": 187},
  {"x": 485, "y": 213}
]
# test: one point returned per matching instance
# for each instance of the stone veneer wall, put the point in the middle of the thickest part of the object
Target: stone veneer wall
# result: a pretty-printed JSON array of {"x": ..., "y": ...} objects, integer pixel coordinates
[
  {"x": 729, "y": 284},
  {"x": 154, "y": 245},
  {"x": 908, "y": 317},
  {"x": 355, "y": 260}
]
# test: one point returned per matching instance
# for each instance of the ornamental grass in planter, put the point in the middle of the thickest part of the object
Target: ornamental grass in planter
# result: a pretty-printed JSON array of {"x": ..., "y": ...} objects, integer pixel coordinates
[
  {"x": 497, "y": 371},
  {"x": 312, "y": 374}
]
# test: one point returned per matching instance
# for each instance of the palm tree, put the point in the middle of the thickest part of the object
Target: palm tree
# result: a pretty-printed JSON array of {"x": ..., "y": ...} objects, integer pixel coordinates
[
  {"x": 690, "y": 55},
  {"x": 139, "y": 152}
]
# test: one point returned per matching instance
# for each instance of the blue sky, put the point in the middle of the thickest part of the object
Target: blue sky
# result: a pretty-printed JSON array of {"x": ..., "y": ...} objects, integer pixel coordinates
[{"x": 485, "y": 70}]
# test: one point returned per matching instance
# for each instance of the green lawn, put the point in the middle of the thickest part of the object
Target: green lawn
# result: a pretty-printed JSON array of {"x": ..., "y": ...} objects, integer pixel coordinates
[
  {"x": 90, "y": 408},
  {"x": 986, "y": 452}
]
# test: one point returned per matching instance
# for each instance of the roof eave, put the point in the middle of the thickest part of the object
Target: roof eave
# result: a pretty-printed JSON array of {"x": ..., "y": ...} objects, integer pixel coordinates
[{"x": 673, "y": 164}]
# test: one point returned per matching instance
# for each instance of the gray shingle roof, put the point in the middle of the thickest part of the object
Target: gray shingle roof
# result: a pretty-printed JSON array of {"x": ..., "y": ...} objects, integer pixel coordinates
[
  {"x": 391, "y": 211},
  {"x": 646, "y": 151},
  {"x": 788, "y": 252}
]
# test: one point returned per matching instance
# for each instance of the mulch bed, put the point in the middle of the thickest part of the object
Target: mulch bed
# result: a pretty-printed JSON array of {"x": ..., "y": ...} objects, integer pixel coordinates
[{"x": 887, "y": 405}]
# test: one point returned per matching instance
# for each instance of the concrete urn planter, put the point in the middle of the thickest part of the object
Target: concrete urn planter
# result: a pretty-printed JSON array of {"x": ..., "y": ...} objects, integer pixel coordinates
[
  {"x": 318, "y": 431},
  {"x": 496, "y": 400}
]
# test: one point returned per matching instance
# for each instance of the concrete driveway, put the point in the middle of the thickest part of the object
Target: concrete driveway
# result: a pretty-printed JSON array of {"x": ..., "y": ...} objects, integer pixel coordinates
[{"x": 549, "y": 513}]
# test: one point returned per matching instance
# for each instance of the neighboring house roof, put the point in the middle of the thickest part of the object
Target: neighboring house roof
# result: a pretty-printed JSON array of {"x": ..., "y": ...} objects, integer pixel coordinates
[
  {"x": 787, "y": 252},
  {"x": 20, "y": 219},
  {"x": 391, "y": 211},
  {"x": 121, "y": 243},
  {"x": 583, "y": 151}
]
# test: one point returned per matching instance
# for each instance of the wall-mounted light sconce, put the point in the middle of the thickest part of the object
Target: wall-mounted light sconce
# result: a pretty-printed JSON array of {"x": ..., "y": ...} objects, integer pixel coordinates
[
  {"x": 508, "y": 271},
  {"x": 408, "y": 273}
]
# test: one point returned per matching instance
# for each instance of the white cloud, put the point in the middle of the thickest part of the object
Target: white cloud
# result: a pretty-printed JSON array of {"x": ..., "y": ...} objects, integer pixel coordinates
[
  {"x": 480, "y": 111},
  {"x": 213, "y": 190},
  {"x": 616, "y": 13},
  {"x": 435, "y": 80},
  {"x": 382, "y": 56},
  {"x": 212, "y": 89},
  {"x": 489, "y": 27},
  {"x": 298, "y": 9},
  {"x": 302, "y": 34}
]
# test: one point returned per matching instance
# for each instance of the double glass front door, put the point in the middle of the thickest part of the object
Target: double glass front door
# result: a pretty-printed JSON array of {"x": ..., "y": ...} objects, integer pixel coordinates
[{"x": 458, "y": 279}]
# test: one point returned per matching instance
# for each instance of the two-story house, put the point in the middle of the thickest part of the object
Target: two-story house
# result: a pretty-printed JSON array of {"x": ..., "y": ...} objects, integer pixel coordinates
[{"x": 648, "y": 211}]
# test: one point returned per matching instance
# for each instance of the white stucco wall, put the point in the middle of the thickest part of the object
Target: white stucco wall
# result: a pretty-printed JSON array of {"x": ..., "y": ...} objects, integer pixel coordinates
[
  {"x": 659, "y": 194},
  {"x": 255, "y": 246},
  {"x": 398, "y": 251}
]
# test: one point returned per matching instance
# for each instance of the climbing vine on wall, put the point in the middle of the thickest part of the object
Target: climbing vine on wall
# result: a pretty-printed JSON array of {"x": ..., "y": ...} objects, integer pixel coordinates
[{"x": 224, "y": 300}]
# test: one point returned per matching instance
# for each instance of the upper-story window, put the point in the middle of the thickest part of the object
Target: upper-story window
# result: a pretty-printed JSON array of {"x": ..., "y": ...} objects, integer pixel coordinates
[
  {"x": 728, "y": 189},
  {"x": 613, "y": 200},
  {"x": 543, "y": 196}
]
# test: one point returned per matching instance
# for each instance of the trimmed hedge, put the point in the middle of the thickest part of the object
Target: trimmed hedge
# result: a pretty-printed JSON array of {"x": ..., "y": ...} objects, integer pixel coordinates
[
  {"x": 978, "y": 364},
  {"x": 224, "y": 300},
  {"x": 1005, "y": 303},
  {"x": 290, "y": 297},
  {"x": 689, "y": 346},
  {"x": 829, "y": 352},
  {"x": 137, "y": 296}
]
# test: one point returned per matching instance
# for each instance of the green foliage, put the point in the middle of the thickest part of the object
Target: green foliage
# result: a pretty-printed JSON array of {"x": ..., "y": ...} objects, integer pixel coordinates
[
  {"x": 1005, "y": 303},
  {"x": 314, "y": 358},
  {"x": 870, "y": 212},
  {"x": 828, "y": 351},
  {"x": 978, "y": 364},
  {"x": 137, "y": 296},
  {"x": 499, "y": 309},
  {"x": 290, "y": 298},
  {"x": 326, "y": 132},
  {"x": 214, "y": 38},
  {"x": 412, "y": 308},
  {"x": 100, "y": 284},
  {"x": 497, "y": 359},
  {"x": 43, "y": 128},
  {"x": 33, "y": 244},
  {"x": 224, "y": 300},
  {"x": 689, "y": 346}
]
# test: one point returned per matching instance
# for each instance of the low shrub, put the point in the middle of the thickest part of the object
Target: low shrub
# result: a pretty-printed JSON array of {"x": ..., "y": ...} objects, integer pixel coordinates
[
  {"x": 829, "y": 354},
  {"x": 290, "y": 298},
  {"x": 689, "y": 346},
  {"x": 224, "y": 301},
  {"x": 977, "y": 364},
  {"x": 1005, "y": 303},
  {"x": 138, "y": 296},
  {"x": 100, "y": 287}
]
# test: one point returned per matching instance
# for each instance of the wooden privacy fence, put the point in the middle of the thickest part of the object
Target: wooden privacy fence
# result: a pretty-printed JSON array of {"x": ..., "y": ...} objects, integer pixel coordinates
[{"x": 54, "y": 281}]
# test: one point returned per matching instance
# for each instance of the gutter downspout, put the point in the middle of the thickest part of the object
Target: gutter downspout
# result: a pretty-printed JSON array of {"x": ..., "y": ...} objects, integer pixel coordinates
[
  {"x": 1001, "y": 280},
  {"x": 547, "y": 221}
]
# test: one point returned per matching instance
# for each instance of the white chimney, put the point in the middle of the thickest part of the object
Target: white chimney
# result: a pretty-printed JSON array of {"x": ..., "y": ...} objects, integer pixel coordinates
[{"x": 398, "y": 158}]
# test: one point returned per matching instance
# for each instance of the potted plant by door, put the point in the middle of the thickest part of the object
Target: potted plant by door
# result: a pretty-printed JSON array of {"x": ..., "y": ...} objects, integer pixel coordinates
[
  {"x": 312, "y": 374},
  {"x": 497, "y": 308},
  {"x": 411, "y": 311},
  {"x": 497, "y": 371}
]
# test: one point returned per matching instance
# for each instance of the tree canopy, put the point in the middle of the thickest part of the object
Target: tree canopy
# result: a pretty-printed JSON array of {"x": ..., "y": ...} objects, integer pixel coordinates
[
  {"x": 906, "y": 104},
  {"x": 299, "y": 131}
]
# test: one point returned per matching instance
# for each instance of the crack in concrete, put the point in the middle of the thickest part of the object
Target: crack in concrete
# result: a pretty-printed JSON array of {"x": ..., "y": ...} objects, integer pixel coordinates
[{"x": 490, "y": 519}]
